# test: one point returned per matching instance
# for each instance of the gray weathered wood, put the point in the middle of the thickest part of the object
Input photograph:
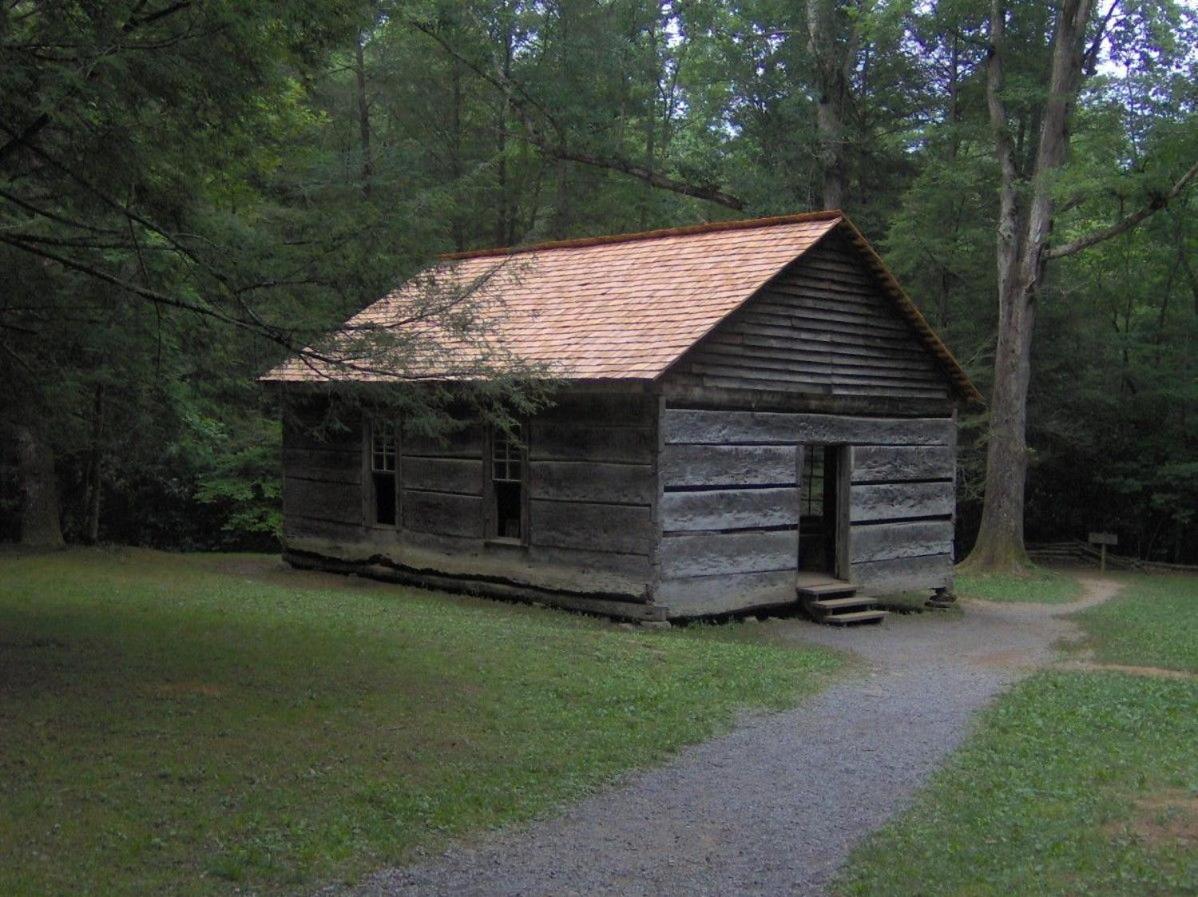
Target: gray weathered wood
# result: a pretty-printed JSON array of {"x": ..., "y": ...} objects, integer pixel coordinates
[
  {"x": 881, "y": 464},
  {"x": 824, "y": 325},
  {"x": 443, "y": 512},
  {"x": 703, "y": 554},
  {"x": 336, "y": 502},
  {"x": 329, "y": 465},
  {"x": 600, "y": 409},
  {"x": 904, "y": 574},
  {"x": 461, "y": 475},
  {"x": 592, "y": 481},
  {"x": 884, "y": 541},
  {"x": 462, "y": 441},
  {"x": 694, "y": 596},
  {"x": 727, "y": 465},
  {"x": 890, "y": 501},
  {"x": 685, "y": 391},
  {"x": 779, "y": 428},
  {"x": 298, "y": 526},
  {"x": 513, "y": 559},
  {"x": 581, "y": 442},
  {"x": 726, "y": 509},
  {"x": 597, "y": 527}
]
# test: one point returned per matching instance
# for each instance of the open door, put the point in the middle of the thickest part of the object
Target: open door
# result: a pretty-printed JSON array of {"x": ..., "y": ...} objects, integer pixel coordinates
[{"x": 823, "y": 510}]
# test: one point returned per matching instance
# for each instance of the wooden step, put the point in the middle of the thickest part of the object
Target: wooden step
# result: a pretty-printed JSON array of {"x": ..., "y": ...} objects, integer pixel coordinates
[
  {"x": 829, "y": 589},
  {"x": 855, "y": 617},
  {"x": 836, "y": 604}
]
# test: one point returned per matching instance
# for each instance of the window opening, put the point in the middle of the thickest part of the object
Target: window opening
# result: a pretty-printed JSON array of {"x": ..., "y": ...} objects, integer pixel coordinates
[
  {"x": 507, "y": 483},
  {"x": 382, "y": 470}
]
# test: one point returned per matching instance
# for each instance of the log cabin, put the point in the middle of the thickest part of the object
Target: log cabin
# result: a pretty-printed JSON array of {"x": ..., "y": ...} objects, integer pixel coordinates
[{"x": 746, "y": 415}]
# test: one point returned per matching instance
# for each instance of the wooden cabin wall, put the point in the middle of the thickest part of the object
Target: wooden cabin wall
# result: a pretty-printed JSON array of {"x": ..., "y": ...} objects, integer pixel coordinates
[
  {"x": 822, "y": 326},
  {"x": 591, "y": 481},
  {"x": 730, "y": 503},
  {"x": 322, "y": 471}
]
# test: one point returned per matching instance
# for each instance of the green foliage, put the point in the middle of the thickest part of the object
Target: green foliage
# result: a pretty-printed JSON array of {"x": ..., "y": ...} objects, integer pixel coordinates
[
  {"x": 213, "y": 187},
  {"x": 1039, "y": 587},
  {"x": 216, "y": 719}
]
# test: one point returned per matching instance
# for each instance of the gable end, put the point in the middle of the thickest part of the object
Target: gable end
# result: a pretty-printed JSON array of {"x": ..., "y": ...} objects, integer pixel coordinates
[{"x": 823, "y": 325}]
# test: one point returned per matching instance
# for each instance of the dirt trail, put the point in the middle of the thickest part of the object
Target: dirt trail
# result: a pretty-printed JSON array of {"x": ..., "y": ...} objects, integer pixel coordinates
[{"x": 775, "y": 806}]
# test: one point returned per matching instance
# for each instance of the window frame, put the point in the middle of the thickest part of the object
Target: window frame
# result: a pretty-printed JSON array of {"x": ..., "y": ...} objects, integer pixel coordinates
[
  {"x": 370, "y": 470},
  {"x": 520, "y": 445}
]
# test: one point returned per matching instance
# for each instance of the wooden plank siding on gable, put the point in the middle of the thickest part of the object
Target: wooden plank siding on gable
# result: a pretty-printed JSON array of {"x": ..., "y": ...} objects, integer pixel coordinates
[{"x": 823, "y": 325}]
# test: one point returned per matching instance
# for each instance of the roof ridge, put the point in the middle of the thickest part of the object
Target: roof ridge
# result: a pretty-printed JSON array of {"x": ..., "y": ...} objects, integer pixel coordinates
[{"x": 683, "y": 231}]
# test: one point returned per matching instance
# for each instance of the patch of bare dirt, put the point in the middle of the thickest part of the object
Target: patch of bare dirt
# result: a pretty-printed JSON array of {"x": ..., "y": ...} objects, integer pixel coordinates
[
  {"x": 1089, "y": 666},
  {"x": 1165, "y": 819}
]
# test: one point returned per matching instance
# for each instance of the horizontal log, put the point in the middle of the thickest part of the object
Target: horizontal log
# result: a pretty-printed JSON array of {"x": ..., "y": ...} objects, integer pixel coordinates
[
  {"x": 695, "y": 596},
  {"x": 592, "y": 481},
  {"x": 729, "y": 509},
  {"x": 772, "y": 427},
  {"x": 600, "y": 409},
  {"x": 617, "y": 528},
  {"x": 705, "y": 554},
  {"x": 336, "y": 502},
  {"x": 842, "y": 374},
  {"x": 464, "y": 440},
  {"x": 688, "y": 392},
  {"x": 475, "y": 563},
  {"x": 297, "y": 526},
  {"x": 809, "y": 389},
  {"x": 904, "y": 574},
  {"x": 298, "y": 435},
  {"x": 329, "y": 465},
  {"x": 728, "y": 465},
  {"x": 583, "y": 442},
  {"x": 568, "y": 562},
  {"x": 462, "y": 475},
  {"x": 884, "y": 541},
  {"x": 442, "y": 513},
  {"x": 890, "y": 501},
  {"x": 877, "y": 463}
]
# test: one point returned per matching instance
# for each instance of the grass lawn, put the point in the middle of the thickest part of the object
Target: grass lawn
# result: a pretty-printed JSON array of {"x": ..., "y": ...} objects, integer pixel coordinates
[
  {"x": 1153, "y": 622},
  {"x": 189, "y": 724},
  {"x": 1041, "y": 587},
  {"x": 1075, "y": 783}
]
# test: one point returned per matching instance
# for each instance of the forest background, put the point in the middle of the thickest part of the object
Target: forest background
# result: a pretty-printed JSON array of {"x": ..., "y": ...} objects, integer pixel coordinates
[{"x": 189, "y": 191}]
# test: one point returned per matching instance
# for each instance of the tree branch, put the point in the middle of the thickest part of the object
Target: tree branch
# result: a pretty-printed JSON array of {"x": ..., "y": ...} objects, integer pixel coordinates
[{"x": 1126, "y": 223}]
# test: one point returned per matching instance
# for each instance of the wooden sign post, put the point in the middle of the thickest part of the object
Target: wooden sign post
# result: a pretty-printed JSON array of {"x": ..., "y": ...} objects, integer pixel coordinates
[{"x": 1103, "y": 540}]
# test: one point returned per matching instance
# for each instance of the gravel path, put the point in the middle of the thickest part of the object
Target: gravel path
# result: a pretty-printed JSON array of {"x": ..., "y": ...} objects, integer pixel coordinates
[{"x": 774, "y": 807}]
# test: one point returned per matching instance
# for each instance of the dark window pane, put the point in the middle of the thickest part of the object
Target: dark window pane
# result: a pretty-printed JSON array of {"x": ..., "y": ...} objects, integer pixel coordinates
[{"x": 384, "y": 498}]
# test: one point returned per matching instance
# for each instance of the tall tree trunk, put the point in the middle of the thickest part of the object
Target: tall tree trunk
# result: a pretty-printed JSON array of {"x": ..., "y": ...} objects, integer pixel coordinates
[
  {"x": 834, "y": 55},
  {"x": 1022, "y": 238},
  {"x": 95, "y": 482},
  {"x": 363, "y": 116},
  {"x": 455, "y": 153},
  {"x": 40, "y": 526}
]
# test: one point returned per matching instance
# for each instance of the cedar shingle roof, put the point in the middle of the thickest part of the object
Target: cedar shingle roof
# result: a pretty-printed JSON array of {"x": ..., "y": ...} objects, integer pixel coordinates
[{"x": 623, "y": 307}]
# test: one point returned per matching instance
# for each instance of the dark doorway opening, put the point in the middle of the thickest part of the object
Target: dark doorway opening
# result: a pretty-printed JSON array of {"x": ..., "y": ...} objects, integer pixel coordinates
[{"x": 819, "y": 509}]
